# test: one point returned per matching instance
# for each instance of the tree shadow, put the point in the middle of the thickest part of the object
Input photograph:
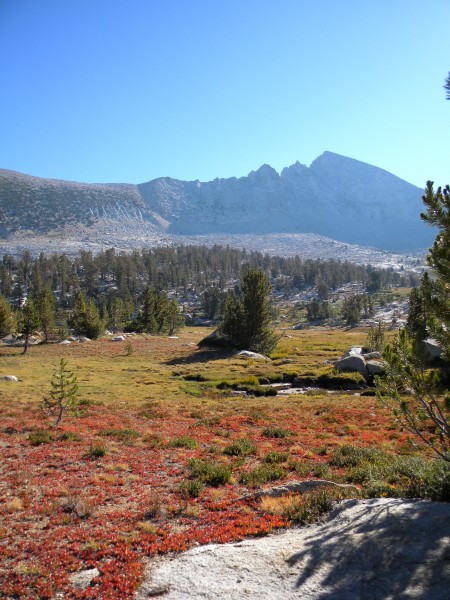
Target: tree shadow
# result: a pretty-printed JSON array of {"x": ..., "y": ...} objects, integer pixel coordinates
[
  {"x": 395, "y": 554},
  {"x": 202, "y": 356}
]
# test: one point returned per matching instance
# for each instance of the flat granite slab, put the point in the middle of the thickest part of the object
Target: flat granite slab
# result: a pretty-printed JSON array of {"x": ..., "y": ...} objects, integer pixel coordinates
[{"x": 380, "y": 549}]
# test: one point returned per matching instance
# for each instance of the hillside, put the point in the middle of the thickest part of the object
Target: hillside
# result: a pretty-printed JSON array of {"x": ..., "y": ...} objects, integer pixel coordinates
[{"x": 337, "y": 197}]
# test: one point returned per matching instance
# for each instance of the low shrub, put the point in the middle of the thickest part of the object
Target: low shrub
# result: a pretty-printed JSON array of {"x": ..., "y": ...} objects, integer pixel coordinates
[
  {"x": 183, "y": 442},
  {"x": 195, "y": 377},
  {"x": 276, "y": 458},
  {"x": 152, "y": 440},
  {"x": 40, "y": 436},
  {"x": 381, "y": 474},
  {"x": 351, "y": 456},
  {"x": 81, "y": 507},
  {"x": 299, "y": 467},
  {"x": 209, "y": 472},
  {"x": 321, "y": 470},
  {"x": 304, "y": 508},
  {"x": 127, "y": 436},
  {"x": 97, "y": 450},
  {"x": 241, "y": 447},
  {"x": 276, "y": 432},
  {"x": 69, "y": 436},
  {"x": 262, "y": 474},
  {"x": 153, "y": 509},
  {"x": 191, "y": 488}
]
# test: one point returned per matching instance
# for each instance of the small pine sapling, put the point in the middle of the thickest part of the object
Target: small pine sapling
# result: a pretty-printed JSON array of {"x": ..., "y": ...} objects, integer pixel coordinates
[
  {"x": 376, "y": 340},
  {"x": 63, "y": 393}
]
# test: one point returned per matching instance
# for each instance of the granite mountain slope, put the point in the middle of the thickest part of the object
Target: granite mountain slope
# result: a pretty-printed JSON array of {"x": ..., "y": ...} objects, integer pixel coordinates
[{"x": 338, "y": 197}]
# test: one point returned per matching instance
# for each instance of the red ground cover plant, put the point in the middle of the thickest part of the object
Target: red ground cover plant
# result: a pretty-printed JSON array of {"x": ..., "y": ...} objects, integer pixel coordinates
[{"x": 66, "y": 507}]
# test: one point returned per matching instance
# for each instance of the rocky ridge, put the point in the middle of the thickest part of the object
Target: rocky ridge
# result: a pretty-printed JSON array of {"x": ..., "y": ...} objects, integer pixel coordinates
[{"x": 336, "y": 197}]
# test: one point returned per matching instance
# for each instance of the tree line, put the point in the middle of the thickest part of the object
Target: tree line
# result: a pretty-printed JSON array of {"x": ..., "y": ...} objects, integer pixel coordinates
[
  {"x": 143, "y": 290},
  {"x": 183, "y": 269}
]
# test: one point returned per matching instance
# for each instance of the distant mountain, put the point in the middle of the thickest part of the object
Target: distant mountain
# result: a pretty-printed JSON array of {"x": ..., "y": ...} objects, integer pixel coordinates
[{"x": 338, "y": 197}]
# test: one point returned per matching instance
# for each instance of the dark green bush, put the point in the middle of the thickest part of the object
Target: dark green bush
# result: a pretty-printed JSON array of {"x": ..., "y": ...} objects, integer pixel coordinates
[
  {"x": 191, "y": 488},
  {"x": 122, "y": 435},
  {"x": 69, "y": 436},
  {"x": 210, "y": 473},
  {"x": 276, "y": 432},
  {"x": 183, "y": 442},
  {"x": 262, "y": 474},
  {"x": 97, "y": 450},
  {"x": 40, "y": 436},
  {"x": 381, "y": 474},
  {"x": 276, "y": 458},
  {"x": 241, "y": 447}
]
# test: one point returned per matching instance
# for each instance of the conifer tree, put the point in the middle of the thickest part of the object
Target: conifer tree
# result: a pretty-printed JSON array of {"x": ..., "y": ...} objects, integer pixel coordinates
[
  {"x": 174, "y": 318},
  {"x": 45, "y": 306},
  {"x": 85, "y": 319},
  {"x": 233, "y": 318},
  {"x": 247, "y": 319},
  {"x": 416, "y": 325},
  {"x": 146, "y": 321},
  {"x": 63, "y": 393},
  {"x": 410, "y": 389},
  {"x": 6, "y": 321},
  {"x": 29, "y": 322},
  {"x": 436, "y": 290}
]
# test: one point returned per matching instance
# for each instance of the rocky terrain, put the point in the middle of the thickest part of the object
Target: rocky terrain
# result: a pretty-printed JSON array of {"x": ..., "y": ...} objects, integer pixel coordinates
[
  {"x": 379, "y": 549},
  {"x": 336, "y": 197},
  {"x": 128, "y": 235}
]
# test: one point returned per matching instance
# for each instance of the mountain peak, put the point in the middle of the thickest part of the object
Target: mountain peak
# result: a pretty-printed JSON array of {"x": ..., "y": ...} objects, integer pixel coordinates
[
  {"x": 336, "y": 196},
  {"x": 265, "y": 171}
]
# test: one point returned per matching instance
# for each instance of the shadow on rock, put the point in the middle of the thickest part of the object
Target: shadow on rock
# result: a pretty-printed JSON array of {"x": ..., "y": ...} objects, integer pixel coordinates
[
  {"x": 395, "y": 553},
  {"x": 201, "y": 357}
]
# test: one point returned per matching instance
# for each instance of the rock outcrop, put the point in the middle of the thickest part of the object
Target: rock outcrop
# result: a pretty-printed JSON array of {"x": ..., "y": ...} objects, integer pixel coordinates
[
  {"x": 357, "y": 360},
  {"x": 432, "y": 348},
  {"x": 377, "y": 549}
]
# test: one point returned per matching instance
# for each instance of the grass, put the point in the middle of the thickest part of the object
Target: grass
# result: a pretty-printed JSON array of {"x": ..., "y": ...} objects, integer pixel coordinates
[
  {"x": 263, "y": 474},
  {"x": 97, "y": 450},
  {"x": 276, "y": 432},
  {"x": 179, "y": 451},
  {"x": 303, "y": 508},
  {"x": 241, "y": 447},
  {"x": 183, "y": 442}
]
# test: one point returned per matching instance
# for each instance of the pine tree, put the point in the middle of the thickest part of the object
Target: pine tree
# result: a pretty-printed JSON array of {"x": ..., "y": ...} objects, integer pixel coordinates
[
  {"x": 174, "y": 318},
  {"x": 45, "y": 306},
  {"x": 161, "y": 313},
  {"x": 416, "y": 325},
  {"x": 146, "y": 321},
  {"x": 233, "y": 318},
  {"x": 6, "y": 321},
  {"x": 247, "y": 320},
  {"x": 63, "y": 393},
  {"x": 29, "y": 322},
  {"x": 376, "y": 338},
  {"x": 410, "y": 389},
  {"x": 85, "y": 318},
  {"x": 436, "y": 290},
  {"x": 351, "y": 309}
]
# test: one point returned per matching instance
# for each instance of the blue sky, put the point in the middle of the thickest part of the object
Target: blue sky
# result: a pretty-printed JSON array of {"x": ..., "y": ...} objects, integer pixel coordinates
[{"x": 127, "y": 91}]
